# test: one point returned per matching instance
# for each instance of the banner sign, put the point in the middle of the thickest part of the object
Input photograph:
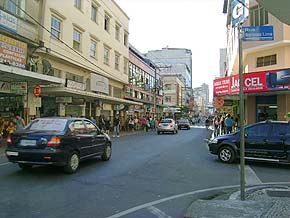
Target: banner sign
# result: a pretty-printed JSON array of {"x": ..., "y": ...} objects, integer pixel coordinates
[
  {"x": 19, "y": 87},
  {"x": 12, "y": 51},
  {"x": 99, "y": 83},
  {"x": 75, "y": 85},
  {"x": 8, "y": 21},
  {"x": 265, "y": 81}
]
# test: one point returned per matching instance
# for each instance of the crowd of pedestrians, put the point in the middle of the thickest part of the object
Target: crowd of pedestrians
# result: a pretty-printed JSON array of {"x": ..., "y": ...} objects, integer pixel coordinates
[{"x": 224, "y": 124}]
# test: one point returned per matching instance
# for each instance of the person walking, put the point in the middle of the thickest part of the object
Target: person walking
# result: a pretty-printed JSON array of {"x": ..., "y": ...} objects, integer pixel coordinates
[
  {"x": 216, "y": 124},
  {"x": 108, "y": 125},
  {"x": 229, "y": 124},
  {"x": 19, "y": 121},
  {"x": 117, "y": 126}
]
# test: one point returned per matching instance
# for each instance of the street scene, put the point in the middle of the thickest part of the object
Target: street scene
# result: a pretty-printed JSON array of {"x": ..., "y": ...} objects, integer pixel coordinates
[{"x": 154, "y": 109}]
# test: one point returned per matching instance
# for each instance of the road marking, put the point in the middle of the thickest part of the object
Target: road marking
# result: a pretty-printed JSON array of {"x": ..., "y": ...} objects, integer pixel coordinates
[
  {"x": 251, "y": 176},
  {"x": 3, "y": 164},
  {"x": 158, "y": 212}
]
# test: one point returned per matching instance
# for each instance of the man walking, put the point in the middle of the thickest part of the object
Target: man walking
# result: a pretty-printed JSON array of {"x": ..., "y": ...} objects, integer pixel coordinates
[
  {"x": 116, "y": 126},
  {"x": 229, "y": 124}
]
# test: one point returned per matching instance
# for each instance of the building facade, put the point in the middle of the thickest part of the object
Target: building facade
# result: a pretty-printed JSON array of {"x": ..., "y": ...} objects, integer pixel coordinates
[
  {"x": 144, "y": 86},
  {"x": 201, "y": 99},
  {"x": 77, "y": 53},
  {"x": 266, "y": 68}
]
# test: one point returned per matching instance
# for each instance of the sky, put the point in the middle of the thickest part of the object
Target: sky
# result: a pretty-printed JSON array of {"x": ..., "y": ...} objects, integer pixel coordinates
[{"x": 198, "y": 25}]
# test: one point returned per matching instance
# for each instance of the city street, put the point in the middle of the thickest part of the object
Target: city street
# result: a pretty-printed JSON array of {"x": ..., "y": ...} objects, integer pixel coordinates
[{"x": 149, "y": 175}]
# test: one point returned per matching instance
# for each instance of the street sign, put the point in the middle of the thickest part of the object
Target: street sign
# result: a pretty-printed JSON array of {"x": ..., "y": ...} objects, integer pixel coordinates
[
  {"x": 258, "y": 33},
  {"x": 37, "y": 91},
  {"x": 240, "y": 11}
]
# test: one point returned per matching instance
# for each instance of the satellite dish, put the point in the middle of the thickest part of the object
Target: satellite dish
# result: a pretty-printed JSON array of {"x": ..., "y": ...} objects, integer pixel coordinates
[{"x": 46, "y": 66}]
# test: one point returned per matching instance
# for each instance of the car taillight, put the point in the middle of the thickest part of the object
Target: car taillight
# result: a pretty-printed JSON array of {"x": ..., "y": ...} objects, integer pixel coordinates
[
  {"x": 9, "y": 140},
  {"x": 54, "y": 142}
]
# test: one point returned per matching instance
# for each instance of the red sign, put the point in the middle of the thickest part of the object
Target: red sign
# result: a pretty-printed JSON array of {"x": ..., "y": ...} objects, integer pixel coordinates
[
  {"x": 37, "y": 91},
  {"x": 265, "y": 81}
]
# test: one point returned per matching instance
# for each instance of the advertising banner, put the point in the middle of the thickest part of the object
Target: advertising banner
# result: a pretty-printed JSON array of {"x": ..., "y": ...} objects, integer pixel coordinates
[
  {"x": 12, "y": 51},
  {"x": 99, "y": 83},
  {"x": 8, "y": 21},
  {"x": 265, "y": 81}
]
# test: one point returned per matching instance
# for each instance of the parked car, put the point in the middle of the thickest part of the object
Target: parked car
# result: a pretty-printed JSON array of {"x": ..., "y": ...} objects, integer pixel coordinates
[
  {"x": 167, "y": 125},
  {"x": 183, "y": 124},
  {"x": 264, "y": 141},
  {"x": 58, "y": 141}
]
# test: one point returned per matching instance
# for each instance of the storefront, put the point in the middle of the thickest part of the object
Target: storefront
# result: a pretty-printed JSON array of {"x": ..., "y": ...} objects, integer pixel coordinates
[{"x": 266, "y": 94}]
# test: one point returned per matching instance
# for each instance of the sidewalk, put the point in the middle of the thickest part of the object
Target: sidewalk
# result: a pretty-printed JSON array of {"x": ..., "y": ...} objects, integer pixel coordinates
[{"x": 263, "y": 201}]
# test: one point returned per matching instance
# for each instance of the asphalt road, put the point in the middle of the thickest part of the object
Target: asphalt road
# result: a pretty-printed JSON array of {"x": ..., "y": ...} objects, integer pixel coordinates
[{"x": 149, "y": 175}]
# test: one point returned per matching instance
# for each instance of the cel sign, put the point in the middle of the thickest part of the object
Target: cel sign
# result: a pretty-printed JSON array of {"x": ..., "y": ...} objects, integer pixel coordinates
[{"x": 240, "y": 11}]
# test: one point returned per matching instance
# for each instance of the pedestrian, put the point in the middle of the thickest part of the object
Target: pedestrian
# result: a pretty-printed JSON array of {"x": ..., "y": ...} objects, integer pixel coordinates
[
  {"x": 93, "y": 120},
  {"x": 11, "y": 127},
  {"x": 136, "y": 121},
  {"x": 102, "y": 123},
  {"x": 117, "y": 126},
  {"x": 19, "y": 122},
  {"x": 216, "y": 123},
  {"x": 223, "y": 125},
  {"x": 108, "y": 125},
  {"x": 229, "y": 124},
  {"x": 131, "y": 124}
]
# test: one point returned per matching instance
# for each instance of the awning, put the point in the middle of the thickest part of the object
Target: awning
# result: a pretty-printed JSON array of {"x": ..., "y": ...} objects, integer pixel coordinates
[
  {"x": 14, "y": 74},
  {"x": 64, "y": 91}
]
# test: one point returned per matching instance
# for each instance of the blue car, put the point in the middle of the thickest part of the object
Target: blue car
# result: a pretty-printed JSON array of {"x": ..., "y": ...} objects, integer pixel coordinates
[{"x": 58, "y": 141}]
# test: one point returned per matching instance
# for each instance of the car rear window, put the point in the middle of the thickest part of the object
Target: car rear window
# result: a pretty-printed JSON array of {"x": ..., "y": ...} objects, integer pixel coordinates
[
  {"x": 48, "y": 125},
  {"x": 166, "y": 121},
  {"x": 183, "y": 121}
]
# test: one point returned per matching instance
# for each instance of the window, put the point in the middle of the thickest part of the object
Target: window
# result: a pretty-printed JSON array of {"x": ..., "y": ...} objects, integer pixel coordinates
[
  {"x": 74, "y": 77},
  {"x": 267, "y": 60},
  {"x": 77, "y": 40},
  {"x": 93, "y": 49},
  {"x": 125, "y": 65},
  {"x": 258, "y": 130},
  {"x": 55, "y": 28},
  {"x": 258, "y": 16},
  {"x": 167, "y": 98},
  {"x": 94, "y": 13},
  {"x": 13, "y": 6},
  {"x": 279, "y": 129},
  {"x": 77, "y": 126},
  {"x": 117, "y": 61},
  {"x": 107, "y": 23},
  {"x": 126, "y": 39},
  {"x": 106, "y": 55},
  {"x": 117, "y": 32},
  {"x": 78, "y": 4}
]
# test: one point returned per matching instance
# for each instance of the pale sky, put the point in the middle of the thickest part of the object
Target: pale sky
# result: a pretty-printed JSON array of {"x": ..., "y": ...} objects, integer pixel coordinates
[{"x": 198, "y": 25}]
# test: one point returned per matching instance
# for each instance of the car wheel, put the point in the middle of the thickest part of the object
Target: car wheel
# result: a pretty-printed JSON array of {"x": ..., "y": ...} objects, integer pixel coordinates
[
  {"x": 73, "y": 163},
  {"x": 158, "y": 132},
  {"x": 25, "y": 166},
  {"x": 107, "y": 153},
  {"x": 226, "y": 154}
]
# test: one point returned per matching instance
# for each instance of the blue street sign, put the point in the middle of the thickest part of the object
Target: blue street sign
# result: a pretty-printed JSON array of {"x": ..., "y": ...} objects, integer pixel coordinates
[
  {"x": 258, "y": 33},
  {"x": 240, "y": 11}
]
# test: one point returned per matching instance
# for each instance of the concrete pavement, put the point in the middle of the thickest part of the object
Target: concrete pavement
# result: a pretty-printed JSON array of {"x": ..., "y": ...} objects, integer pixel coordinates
[{"x": 263, "y": 201}]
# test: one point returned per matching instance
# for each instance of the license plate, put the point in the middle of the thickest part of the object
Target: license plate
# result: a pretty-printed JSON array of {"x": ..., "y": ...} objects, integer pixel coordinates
[
  {"x": 26, "y": 142},
  {"x": 12, "y": 153}
]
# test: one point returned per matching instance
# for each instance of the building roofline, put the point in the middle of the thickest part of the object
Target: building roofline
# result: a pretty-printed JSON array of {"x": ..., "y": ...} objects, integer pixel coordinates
[{"x": 121, "y": 9}]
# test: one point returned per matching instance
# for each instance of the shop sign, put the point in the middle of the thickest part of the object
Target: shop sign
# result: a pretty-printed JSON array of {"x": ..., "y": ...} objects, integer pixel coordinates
[
  {"x": 19, "y": 87},
  {"x": 78, "y": 101},
  {"x": 65, "y": 99},
  {"x": 107, "y": 107},
  {"x": 265, "y": 81},
  {"x": 5, "y": 87},
  {"x": 99, "y": 83},
  {"x": 219, "y": 102},
  {"x": 12, "y": 51},
  {"x": 75, "y": 85},
  {"x": 8, "y": 21}
]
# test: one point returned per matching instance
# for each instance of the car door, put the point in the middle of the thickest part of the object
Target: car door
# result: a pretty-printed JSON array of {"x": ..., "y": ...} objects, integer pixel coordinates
[
  {"x": 81, "y": 137},
  {"x": 98, "y": 141},
  {"x": 275, "y": 146},
  {"x": 256, "y": 139}
]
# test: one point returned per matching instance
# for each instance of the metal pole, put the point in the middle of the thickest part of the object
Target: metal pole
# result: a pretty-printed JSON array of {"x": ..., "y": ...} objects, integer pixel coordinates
[
  {"x": 155, "y": 92},
  {"x": 242, "y": 109}
]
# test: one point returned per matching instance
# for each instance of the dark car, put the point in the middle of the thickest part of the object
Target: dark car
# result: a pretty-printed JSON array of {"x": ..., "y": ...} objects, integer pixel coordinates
[
  {"x": 264, "y": 141},
  {"x": 58, "y": 141},
  {"x": 183, "y": 124}
]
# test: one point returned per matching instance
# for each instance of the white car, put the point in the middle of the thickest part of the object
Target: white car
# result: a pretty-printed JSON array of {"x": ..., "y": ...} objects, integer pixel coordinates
[{"x": 167, "y": 125}]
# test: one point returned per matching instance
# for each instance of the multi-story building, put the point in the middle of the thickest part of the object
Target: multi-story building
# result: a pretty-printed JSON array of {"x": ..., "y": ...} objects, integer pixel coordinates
[
  {"x": 201, "y": 98},
  {"x": 266, "y": 68},
  {"x": 77, "y": 54},
  {"x": 223, "y": 62},
  {"x": 172, "y": 89},
  {"x": 144, "y": 86},
  {"x": 171, "y": 57}
]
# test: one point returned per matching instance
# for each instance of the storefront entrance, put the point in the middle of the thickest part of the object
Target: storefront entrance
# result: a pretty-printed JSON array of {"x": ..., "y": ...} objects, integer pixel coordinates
[
  {"x": 266, "y": 108},
  {"x": 10, "y": 105}
]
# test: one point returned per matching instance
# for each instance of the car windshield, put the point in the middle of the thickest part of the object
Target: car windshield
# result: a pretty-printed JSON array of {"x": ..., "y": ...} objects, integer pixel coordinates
[
  {"x": 57, "y": 125},
  {"x": 166, "y": 121}
]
